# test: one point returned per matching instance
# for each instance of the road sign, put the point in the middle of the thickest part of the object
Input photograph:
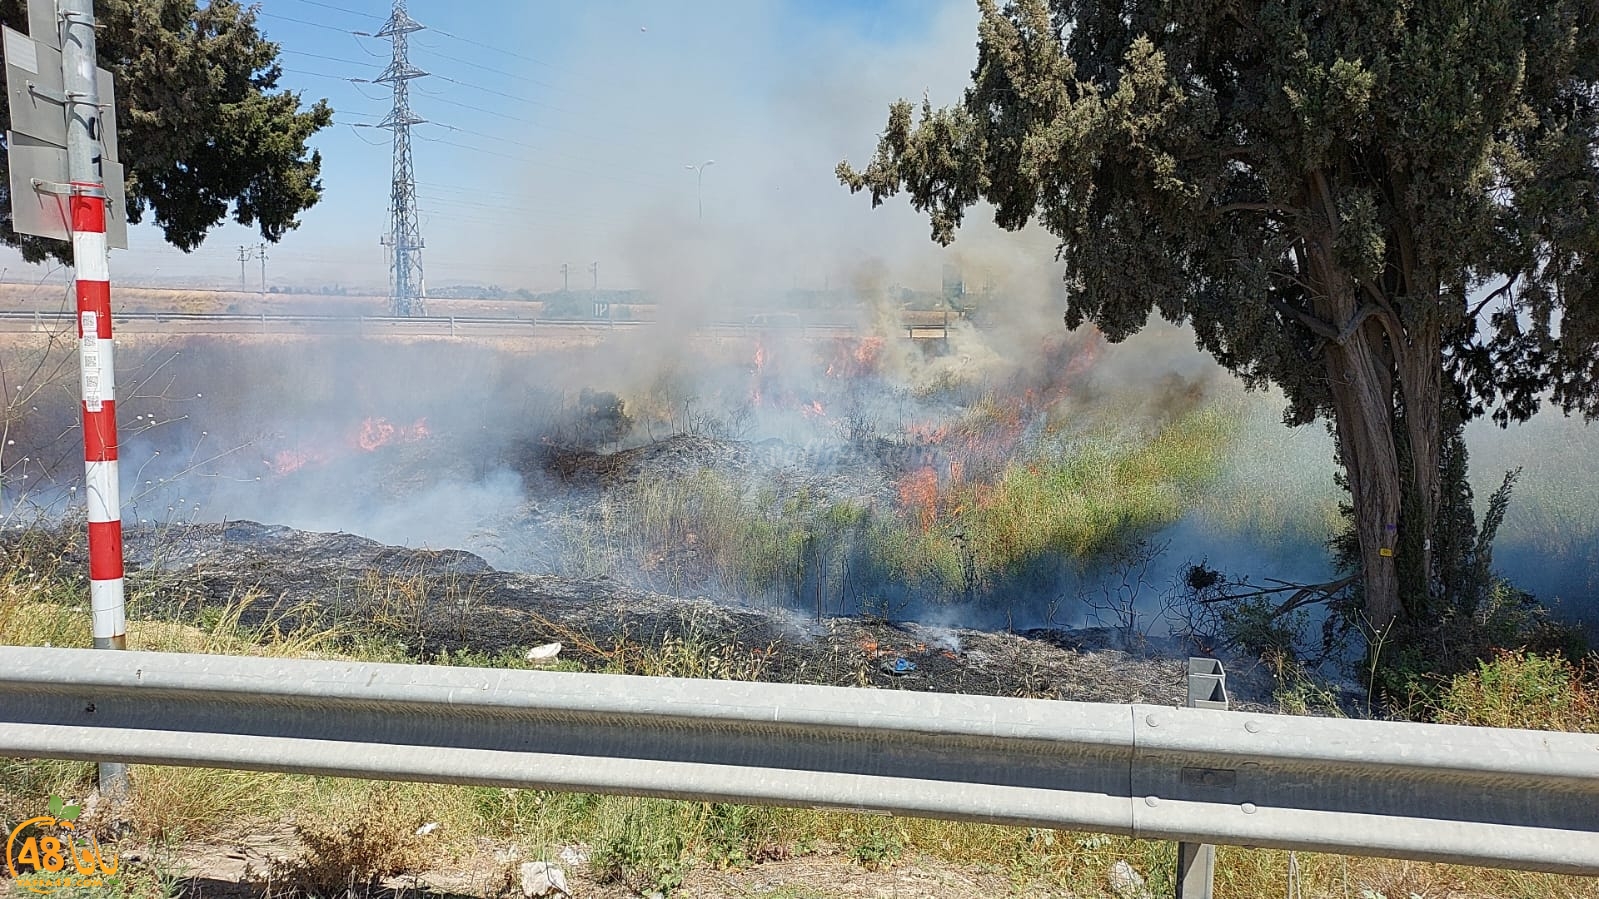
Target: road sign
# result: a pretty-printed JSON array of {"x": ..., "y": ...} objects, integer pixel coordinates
[
  {"x": 602, "y": 309},
  {"x": 39, "y": 188},
  {"x": 36, "y": 94},
  {"x": 37, "y": 98},
  {"x": 44, "y": 23}
]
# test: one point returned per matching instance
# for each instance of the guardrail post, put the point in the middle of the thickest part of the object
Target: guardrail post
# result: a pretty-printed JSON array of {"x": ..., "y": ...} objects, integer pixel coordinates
[{"x": 1196, "y": 862}]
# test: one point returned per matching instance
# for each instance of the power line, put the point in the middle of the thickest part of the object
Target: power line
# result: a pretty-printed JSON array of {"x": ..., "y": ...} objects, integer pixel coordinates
[
  {"x": 337, "y": 59},
  {"x": 354, "y": 130},
  {"x": 273, "y": 15},
  {"x": 364, "y": 15},
  {"x": 500, "y": 93},
  {"x": 491, "y": 70},
  {"x": 344, "y": 78},
  {"x": 511, "y": 53},
  {"x": 487, "y": 152},
  {"x": 451, "y": 143}
]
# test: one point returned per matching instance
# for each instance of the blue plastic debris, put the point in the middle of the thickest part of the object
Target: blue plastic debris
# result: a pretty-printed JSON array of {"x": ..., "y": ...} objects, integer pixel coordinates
[{"x": 900, "y": 665}]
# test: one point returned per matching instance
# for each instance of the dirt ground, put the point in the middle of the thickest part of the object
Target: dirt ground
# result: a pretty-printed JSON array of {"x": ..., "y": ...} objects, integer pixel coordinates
[{"x": 231, "y": 869}]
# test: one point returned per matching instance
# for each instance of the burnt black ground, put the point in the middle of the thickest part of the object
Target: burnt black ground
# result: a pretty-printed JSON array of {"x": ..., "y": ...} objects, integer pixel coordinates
[{"x": 434, "y": 601}]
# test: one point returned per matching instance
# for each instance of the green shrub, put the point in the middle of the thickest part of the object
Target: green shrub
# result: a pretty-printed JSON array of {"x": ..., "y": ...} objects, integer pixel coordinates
[
  {"x": 640, "y": 845},
  {"x": 1527, "y": 690}
]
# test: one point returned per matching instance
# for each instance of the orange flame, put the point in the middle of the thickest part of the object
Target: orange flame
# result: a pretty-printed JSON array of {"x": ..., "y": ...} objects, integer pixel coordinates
[
  {"x": 814, "y": 410},
  {"x": 375, "y": 432},
  {"x": 289, "y": 461},
  {"x": 760, "y": 368},
  {"x": 918, "y": 494},
  {"x": 378, "y": 432},
  {"x": 854, "y": 358}
]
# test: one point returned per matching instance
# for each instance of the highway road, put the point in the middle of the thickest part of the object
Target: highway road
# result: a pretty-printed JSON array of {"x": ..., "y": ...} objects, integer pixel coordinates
[{"x": 238, "y": 324}]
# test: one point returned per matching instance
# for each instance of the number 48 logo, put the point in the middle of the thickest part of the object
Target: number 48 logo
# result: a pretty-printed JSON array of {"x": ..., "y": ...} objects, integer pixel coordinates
[{"x": 40, "y": 861}]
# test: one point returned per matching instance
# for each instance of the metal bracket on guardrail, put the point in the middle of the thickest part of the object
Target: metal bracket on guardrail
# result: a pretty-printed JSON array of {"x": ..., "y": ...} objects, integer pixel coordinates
[
  {"x": 1207, "y": 684},
  {"x": 1196, "y": 862}
]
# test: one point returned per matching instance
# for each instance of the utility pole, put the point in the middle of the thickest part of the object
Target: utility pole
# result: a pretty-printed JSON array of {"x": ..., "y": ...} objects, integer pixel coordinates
[
  {"x": 566, "y": 286},
  {"x": 406, "y": 290},
  {"x": 699, "y": 183},
  {"x": 91, "y": 258},
  {"x": 244, "y": 256},
  {"x": 261, "y": 249},
  {"x": 605, "y": 308}
]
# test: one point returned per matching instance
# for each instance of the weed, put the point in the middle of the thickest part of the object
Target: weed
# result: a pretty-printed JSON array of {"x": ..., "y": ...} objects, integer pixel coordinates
[
  {"x": 691, "y": 654},
  {"x": 1298, "y": 691},
  {"x": 152, "y": 881},
  {"x": 346, "y": 849},
  {"x": 1515, "y": 689},
  {"x": 641, "y": 845},
  {"x": 875, "y": 841}
]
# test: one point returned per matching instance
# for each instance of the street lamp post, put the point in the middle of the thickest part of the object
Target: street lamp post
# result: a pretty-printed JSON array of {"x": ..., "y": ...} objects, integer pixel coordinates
[{"x": 699, "y": 183}]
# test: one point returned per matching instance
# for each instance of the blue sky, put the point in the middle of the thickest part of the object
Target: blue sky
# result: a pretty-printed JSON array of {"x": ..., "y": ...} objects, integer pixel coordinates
[{"x": 559, "y": 133}]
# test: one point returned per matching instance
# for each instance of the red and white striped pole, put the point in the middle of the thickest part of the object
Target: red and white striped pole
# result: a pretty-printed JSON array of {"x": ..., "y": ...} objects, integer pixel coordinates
[
  {"x": 85, "y": 171},
  {"x": 98, "y": 376},
  {"x": 86, "y": 174}
]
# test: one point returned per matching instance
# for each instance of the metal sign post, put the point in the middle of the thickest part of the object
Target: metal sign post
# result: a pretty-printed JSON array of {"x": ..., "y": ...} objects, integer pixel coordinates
[
  {"x": 1196, "y": 862},
  {"x": 63, "y": 172}
]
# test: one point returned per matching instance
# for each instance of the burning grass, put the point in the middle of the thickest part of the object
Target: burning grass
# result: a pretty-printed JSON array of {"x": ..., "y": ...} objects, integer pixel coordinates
[{"x": 941, "y": 532}]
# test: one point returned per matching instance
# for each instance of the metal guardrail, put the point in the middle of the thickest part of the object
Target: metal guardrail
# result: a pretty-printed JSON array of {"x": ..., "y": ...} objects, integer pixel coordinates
[{"x": 1509, "y": 798}]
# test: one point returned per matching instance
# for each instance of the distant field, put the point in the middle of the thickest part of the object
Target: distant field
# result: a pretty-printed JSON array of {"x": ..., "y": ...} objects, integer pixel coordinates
[
  {"x": 153, "y": 299},
  {"x": 54, "y": 296}
]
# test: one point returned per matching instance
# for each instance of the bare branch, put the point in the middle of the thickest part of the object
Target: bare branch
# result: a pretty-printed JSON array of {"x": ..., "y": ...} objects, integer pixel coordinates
[
  {"x": 1269, "y": 208},
  {"x": 1304, "y": 594},
  {"x": 1500, "y": 291},
  {"x": 1305, "y": 318}
]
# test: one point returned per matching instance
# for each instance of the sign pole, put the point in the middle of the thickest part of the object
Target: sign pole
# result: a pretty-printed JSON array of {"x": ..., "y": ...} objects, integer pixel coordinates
[{"x": 91, "y": 259}]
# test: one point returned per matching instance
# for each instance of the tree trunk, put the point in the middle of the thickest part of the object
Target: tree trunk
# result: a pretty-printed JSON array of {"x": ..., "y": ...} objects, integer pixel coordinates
[
  {"x": 1362, "y": 396},
  {"x": 1360, "y": 376},
  {"x": 1420, "y": 374}
]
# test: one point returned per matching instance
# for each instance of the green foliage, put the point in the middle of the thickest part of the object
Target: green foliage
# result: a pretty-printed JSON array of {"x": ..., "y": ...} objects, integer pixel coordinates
[
  {"x": 1325, "y": 194},
  {"x": 642, "y": 846},
  {"x": 60, "y": 809},
  {"x": 204, "y": 129},
  {"x": 874, "y": 842},
  {"x": 1253, "y": 626},
  {"x": 1526, "y": 690}
]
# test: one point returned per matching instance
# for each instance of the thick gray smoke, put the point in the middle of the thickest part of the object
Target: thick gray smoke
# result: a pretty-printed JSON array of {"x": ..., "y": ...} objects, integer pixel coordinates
[{"x": 552, "y": 454}]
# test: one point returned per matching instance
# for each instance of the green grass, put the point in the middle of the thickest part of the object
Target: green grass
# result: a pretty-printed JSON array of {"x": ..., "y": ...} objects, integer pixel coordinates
[
  {"x": 1074, "y": 502},
  {"x": 1090, "y": 496}
]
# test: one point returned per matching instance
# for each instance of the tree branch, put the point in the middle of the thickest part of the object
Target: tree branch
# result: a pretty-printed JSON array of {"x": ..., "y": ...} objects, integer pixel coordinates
[
  {"x": 1390, "y": 319},
  {"x": 1500, "y": 291},
  {"x": 1271, "y": 208},
  {"x": 1304, "y": 594},
  {"x": 1305, "y": 318}
]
